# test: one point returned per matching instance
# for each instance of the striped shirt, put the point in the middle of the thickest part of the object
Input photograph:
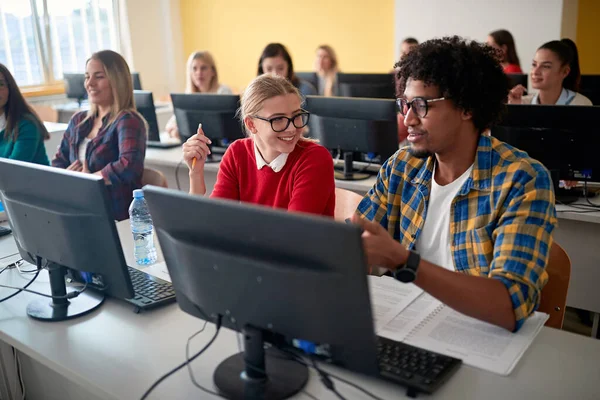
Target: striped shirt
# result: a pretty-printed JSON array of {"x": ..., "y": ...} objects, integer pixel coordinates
[{"x": 501, "y": 220}]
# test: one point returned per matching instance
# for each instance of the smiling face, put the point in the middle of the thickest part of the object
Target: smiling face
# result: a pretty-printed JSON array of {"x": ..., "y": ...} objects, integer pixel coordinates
[
  {"x": 547, "y": 71},
  {"x": 439, "y": 131},
  {"x": 4, "y": 93},
  {"x": 269, "y": 142},
  {"x": 97, "y": 84},
  {"x": 202, "y": 74}
]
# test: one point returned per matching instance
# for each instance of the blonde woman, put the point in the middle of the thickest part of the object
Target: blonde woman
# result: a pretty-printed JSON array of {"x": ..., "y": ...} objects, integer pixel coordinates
[
  {"x": 109, "y": 140},
  {"x": 275, "y": 166},
  {"x": 201, "y": 77},
  {"x": 326, "y": 67}
]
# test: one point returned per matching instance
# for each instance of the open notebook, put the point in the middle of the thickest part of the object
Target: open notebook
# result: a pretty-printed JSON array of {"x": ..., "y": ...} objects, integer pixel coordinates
[{"x": 404, "y": 313}]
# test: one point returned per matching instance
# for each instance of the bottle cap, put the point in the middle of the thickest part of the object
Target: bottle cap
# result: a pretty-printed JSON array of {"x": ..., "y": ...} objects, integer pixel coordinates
[{"x": 138, "y": 194}]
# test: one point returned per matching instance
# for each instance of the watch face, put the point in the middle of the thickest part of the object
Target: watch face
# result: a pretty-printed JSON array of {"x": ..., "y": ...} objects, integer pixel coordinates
[{"x": 405, "y": 275}]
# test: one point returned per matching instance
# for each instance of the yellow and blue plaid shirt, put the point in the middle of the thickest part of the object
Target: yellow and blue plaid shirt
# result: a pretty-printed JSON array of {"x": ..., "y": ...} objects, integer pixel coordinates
[{"x": 501, "y": 220}]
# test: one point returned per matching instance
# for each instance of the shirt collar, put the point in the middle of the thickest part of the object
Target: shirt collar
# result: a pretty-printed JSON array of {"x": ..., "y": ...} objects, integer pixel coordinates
[
  {"x": 563, "y": 99},
  {"x": 3, "y": 121},
  {"x": 276, "y": 165}
]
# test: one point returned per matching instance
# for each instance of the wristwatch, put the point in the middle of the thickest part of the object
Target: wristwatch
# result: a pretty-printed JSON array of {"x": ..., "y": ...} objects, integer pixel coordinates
[{"x": 408, "y": 272}]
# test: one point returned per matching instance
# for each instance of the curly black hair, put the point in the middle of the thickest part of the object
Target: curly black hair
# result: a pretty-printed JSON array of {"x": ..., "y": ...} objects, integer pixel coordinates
[{"x": 466, "y": 72}]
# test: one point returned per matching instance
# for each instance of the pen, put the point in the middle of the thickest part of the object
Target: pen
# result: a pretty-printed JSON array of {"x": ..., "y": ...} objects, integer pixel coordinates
[{"x": 194, "y": 159}]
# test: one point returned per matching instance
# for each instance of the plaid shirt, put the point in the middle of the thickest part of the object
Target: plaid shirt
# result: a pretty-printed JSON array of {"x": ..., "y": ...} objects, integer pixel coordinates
[
  {"x": 118, "y": 151},
  {"x": 501, "y": 220}
]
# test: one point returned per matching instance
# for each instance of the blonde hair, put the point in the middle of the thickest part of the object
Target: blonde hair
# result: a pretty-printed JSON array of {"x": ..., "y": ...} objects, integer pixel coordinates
[
  {"x": 332, "y": 55},
  {"x": 119, "y": 77},
  {"x": 207, "y": 58},
  {"x": 261, "y": 89}
]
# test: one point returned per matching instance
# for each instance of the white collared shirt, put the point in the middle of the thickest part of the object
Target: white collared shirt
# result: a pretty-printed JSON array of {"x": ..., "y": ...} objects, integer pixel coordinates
[{"x": 276, "y": 165}]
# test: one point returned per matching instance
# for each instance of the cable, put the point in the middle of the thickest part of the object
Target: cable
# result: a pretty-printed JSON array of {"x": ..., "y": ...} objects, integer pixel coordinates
[
  {"x": 69, "y": 295},
  {"x": 187, "y": 361},
  {"x": 326, "y": 380},
  {"x": 189, "y": 366},
  {"x": 39, "y": 265},
  {"x": 177, "y": 174},
  {"x": 587, "y": 198}
]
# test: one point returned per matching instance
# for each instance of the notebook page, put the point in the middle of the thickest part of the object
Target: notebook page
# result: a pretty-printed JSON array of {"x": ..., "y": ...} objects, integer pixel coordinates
[
  {"x": 479, "y": 344},
  {"x": 389, "y": 297},
  {"x": 402, "y": 324}
]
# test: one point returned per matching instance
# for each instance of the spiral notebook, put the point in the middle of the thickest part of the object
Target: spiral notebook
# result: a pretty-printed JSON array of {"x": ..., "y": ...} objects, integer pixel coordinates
[{"x": 427, "y": 323}]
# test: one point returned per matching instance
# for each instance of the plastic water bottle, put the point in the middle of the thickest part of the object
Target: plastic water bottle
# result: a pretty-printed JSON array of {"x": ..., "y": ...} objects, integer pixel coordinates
[{"x": 142, "y": 229}]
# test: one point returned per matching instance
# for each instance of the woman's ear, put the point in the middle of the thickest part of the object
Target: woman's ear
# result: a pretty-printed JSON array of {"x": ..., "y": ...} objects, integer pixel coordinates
[
  {"x": 249, "y": 123},
  {"x": 566, "y": 71}
]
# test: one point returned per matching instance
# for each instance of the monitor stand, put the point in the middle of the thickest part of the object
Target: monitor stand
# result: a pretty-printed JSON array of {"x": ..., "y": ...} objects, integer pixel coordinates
[
  {"x": 259, "y": 374},
  {"x": 348, "y": 173},
  {"x": 46, "y": 309}
]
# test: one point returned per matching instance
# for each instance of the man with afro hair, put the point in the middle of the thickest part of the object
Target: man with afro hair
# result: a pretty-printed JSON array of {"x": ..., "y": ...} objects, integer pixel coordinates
[{"x": 464, "y": 216}]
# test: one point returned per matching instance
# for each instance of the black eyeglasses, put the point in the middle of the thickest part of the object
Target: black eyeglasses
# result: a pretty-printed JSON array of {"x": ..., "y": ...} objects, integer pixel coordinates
[
  {"x": 419, "y": 105},
  {"x": 280, "y": 124}
]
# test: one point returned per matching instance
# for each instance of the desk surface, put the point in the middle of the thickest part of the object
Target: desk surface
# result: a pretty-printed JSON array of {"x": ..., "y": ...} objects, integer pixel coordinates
[{"x": 117, "y": 354}]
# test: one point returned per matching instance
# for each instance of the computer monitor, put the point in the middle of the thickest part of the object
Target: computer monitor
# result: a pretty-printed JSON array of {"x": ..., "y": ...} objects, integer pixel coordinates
[
  {"x": 590, "y": 88},
  {"x": 354, "y": 125},
  {"x": 291, "y": 279},
  {"x": 517, "y": 79},
  {"x": 560, "y": 137},
  {"x": 74, "y": 87},
  {"x": 376, "y": 86},
  {"x": 65, "y": 218},
  {"x": 310, "y": 77},
  {"x": 216, "y": 112},
  {"x": 144, "y": 103},
  {"x": 135, "y": 79}
]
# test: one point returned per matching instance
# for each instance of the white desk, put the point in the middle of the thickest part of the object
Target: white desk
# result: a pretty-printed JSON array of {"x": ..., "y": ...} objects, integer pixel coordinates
[
  {"x": 116, "y": 354},
  {"x": 56, "y": 131}
]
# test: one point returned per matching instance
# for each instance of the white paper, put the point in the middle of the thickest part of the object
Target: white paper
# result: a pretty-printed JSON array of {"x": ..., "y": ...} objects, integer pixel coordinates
[
  {"x": 479, "y": 344},
  {"x": 158, "y": 270},
  {"x": 402, "y": 324},
  {"x": 389, "y": 297}
]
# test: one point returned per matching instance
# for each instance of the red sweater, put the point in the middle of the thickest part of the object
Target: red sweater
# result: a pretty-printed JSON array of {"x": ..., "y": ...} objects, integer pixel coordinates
[
  {"x": 305, "y": 183},
  {"x": 512, "y": 69}
]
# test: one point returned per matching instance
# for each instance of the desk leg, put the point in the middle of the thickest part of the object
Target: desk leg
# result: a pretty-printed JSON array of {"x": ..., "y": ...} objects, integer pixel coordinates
[{"x": 595, "y": 326}]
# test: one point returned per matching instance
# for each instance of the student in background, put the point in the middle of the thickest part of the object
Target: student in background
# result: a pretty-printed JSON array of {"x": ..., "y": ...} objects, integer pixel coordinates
[
  {"x": 109, "y": 140},
  {"x": 22, "y": 133},
  {"x": 555, "y": 74},
  {"x": 503, "y": 41},
  {"x": 276, "y": 60},
  {"x": 408, "y": 45},
  {"x": 479, "y": 212},
  {"x": 201, "y": 77},
  {"x": 326, "y": 67},
  {"x": 275, "y": 166}
]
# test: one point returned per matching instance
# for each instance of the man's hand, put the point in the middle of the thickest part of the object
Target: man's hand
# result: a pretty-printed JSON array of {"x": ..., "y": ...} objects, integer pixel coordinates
[{"x": 381, "y": 249}]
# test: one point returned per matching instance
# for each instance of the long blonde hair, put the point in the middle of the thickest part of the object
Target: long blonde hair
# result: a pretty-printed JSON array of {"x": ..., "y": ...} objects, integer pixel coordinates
[
  {"x": 261, "y": 89},
  {"x": 118, "y": 74},
  {"x": 207, "y": 58},
  {"x": 331, "y": 76}
]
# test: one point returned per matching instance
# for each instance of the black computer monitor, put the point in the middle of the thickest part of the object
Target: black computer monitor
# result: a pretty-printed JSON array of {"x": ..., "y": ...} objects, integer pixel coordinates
[
  {"x": 310, "y": 77},
  {"x": 376, "y": 86},
  {"x": 216, "y": 112},
  {"x": 65, "y": 219},
  {"x": 135, "y": 79},
  {"x": 281, "y": 278},
  {"x": 517, "y": 79},
  {"x": 354, "y": 125},
  {"x": 144, "y": 103},
  {"x": 74, "y": 87},
  {"x": 590, "y": 88},
  {"x": 560, "y": 137}
]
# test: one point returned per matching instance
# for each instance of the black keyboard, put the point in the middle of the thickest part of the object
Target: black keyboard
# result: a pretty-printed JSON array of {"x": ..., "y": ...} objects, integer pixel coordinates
[
  {"x": 4, "y": 231},
  {"x": 161, "y": 145},
  {"x": 418, "y": 369},
  {"x": 150, "y": 291}
]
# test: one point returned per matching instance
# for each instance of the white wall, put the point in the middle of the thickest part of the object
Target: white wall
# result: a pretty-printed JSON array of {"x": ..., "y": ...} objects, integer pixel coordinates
[
  {"x": 151, "y": 41},
  {"x": 531, "y": 22}
]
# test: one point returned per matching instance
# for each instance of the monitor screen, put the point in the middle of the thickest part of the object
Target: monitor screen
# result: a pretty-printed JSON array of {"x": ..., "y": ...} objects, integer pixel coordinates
[
  {"x": 378, "y": 86},
  {"x": 144, "y": 103}
]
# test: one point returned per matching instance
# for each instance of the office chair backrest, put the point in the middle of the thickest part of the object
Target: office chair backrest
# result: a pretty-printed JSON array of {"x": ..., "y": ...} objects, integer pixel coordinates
[
  {"x": 153, "y": 177},
  {"x": 346, "y": 202},
  {"x": 554, "y": 294}
]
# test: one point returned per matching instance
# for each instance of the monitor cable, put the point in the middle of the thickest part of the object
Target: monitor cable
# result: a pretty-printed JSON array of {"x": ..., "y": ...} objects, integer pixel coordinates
[{"x": 186, "y": 362}]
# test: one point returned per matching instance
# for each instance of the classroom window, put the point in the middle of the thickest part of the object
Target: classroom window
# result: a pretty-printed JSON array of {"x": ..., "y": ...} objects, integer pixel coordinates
[{"x": 40, "y": 40}]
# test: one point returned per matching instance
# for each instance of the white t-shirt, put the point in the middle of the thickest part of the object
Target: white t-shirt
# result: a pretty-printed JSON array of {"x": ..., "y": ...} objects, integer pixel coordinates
[
  {"x": 434, "y": 242},
  {"x": 82, "y": 149}
]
